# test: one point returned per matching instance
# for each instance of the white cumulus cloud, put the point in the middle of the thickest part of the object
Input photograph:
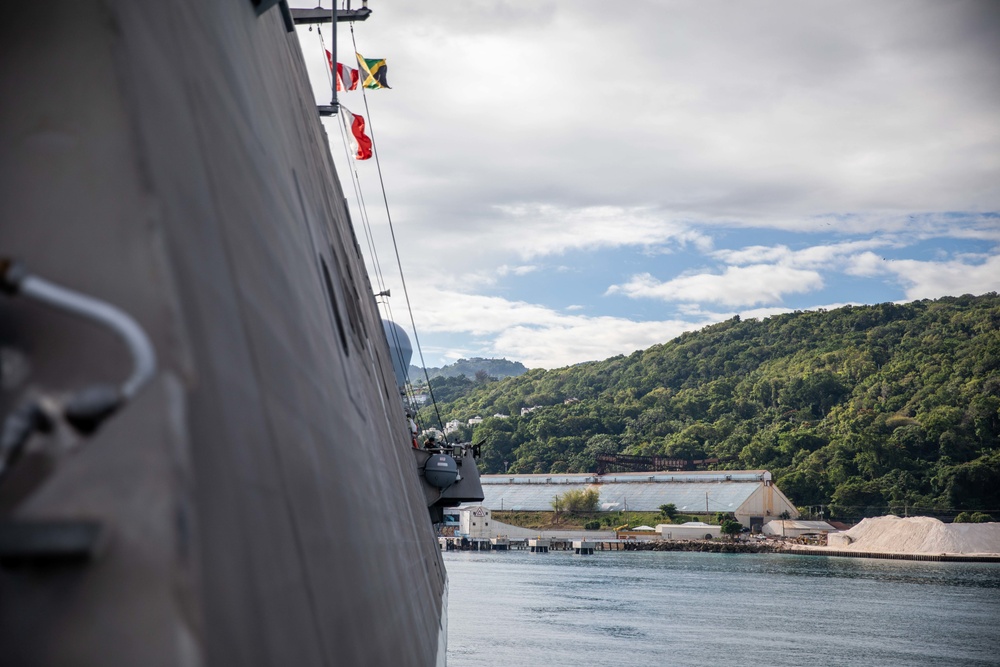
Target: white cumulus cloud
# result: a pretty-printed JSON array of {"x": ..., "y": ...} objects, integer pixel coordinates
[
  {"x": 535, "y": 335},
  {"x": 736, "y": 286},
  {"x": 930, "y": 280}
]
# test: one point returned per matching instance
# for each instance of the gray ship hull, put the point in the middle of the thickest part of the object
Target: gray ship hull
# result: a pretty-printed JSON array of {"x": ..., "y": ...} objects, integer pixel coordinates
[{"x": 257, "y": 500}]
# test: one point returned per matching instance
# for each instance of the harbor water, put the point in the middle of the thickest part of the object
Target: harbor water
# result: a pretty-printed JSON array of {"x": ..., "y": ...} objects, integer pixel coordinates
[{"x": 681, "y": 608}]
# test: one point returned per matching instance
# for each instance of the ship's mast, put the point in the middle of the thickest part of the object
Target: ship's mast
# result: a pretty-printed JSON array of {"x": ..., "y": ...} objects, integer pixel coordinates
[{"x": 333, "y": 17}]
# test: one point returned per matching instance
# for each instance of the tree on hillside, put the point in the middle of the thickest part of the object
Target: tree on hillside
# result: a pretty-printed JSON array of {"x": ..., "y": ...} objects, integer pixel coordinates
[
  {"x": 450, "y": 389},
  {"x": 577, "y": 500}
]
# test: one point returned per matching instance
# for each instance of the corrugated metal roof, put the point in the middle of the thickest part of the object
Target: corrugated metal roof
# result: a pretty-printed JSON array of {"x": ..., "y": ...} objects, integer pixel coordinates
[
  {"x": 632, "y": 477},
  {"x": 800, "y": 525},
  {"x": 688, "y": 496}
]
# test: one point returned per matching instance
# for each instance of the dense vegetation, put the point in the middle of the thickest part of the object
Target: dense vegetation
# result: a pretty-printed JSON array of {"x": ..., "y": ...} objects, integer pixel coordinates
[
  {"x": 576, "y": 500},
  {"x": 470, "y": 368},
  {"x": 863, "y": 409}
]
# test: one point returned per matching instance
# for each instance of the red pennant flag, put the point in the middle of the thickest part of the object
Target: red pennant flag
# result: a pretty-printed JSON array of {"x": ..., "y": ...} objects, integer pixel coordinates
[
  {"x": 360, "y": 142},
  {"x": 347, "y": 77}
]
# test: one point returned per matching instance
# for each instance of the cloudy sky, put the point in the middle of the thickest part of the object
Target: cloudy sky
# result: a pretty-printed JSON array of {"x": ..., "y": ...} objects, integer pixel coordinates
[{"x": 572, "y": 180}]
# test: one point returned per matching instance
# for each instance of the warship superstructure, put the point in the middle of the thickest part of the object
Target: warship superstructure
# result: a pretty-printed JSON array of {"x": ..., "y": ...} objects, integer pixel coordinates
[{"x": 206, "y": 461}]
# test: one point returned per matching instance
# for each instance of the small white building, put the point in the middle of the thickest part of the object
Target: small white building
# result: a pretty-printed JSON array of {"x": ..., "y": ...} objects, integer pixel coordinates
[
  {"x": 797, "y": 528},
  {"x": 692, "y": 530},
  {"x": 475, "y": 420},
  {"x": 474, "y": 521},
  {"x": 452, "y": 426}
]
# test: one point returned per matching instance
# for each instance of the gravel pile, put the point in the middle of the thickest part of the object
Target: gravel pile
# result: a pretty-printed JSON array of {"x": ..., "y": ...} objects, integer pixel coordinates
[{"x": 920, "y": 535}]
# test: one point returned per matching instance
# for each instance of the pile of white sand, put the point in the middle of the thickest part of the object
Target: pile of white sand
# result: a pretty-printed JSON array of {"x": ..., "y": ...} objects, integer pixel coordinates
[{"x": 920, "y": 535}]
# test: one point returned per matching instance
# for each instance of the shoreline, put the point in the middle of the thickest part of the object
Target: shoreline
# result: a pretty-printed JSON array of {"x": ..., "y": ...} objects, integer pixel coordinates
[
  {"x": 945, "y": 558},
  {"x": 706, "y": 546},
  {"x": 800, "y": 550}
]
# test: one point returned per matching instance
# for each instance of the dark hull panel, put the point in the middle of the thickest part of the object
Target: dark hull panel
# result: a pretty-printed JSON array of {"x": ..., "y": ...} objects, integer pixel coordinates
[{"x": 259, "y": 502}]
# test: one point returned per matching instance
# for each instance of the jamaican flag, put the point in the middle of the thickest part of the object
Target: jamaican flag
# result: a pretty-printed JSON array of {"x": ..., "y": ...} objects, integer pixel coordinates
[{"x": 373, "y": 72}]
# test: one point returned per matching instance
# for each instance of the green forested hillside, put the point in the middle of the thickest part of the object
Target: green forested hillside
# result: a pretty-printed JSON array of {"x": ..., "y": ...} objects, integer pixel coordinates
[
  {"x": 470, "y": 368},
  {"x": 865, "y": 409}
]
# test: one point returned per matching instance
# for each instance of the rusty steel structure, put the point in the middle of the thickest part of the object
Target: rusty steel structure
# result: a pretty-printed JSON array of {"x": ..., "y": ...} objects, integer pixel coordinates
[{"x": 631, "y": 463}]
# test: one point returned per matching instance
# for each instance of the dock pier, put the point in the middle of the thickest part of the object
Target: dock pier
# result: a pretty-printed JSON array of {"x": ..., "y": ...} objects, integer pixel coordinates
[
  {"x": 539, "y": 545},
  {"x": 544, "y": 545},
  {"x": 482, "y": 543}
]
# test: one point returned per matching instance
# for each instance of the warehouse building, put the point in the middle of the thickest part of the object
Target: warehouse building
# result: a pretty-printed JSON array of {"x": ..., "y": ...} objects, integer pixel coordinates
[
  {"x": 798, "y": 528},
  {"x": 749, "y": 495}
]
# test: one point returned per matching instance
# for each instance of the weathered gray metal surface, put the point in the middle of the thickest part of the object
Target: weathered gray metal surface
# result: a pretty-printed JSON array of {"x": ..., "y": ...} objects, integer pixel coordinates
[{"x": 260, "y": 502}]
